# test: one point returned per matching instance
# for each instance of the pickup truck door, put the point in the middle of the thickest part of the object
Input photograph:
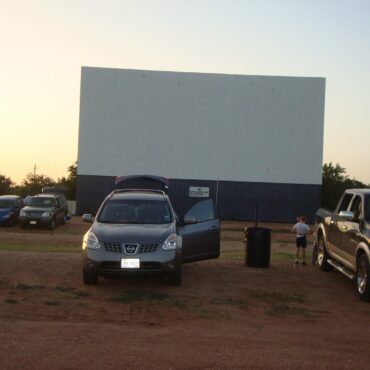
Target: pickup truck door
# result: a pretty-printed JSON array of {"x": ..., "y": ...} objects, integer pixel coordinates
[
  {"x": 201, "y": 239},
  {"x": 338, "y": 226},
  {"x": 351, "y": 234}
]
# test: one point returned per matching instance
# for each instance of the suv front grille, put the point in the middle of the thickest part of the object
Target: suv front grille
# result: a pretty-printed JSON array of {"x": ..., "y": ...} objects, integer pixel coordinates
[
  {"x": 116, "y": 247},
  {"x": 33, "y": 214},
  {"x": 148, "y": 248},
  {"x": 113, "y": 247}
]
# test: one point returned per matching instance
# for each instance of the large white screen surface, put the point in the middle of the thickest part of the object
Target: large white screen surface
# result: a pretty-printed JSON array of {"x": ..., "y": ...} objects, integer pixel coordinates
[{"x": 201, "y": 126}]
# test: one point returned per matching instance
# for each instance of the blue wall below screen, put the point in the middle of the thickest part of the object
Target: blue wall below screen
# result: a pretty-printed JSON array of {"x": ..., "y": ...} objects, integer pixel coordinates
[{"x": 235, "y": 200}]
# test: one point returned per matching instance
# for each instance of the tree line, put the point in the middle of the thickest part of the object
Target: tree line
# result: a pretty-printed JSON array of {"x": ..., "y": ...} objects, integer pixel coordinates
[
  {"x": 334, "y": 182},
  {"x": 33, "y": 184}
]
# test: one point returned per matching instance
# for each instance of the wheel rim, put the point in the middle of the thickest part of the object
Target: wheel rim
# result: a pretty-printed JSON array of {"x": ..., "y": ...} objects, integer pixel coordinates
[
  {"x": 361, "y": 277},
  {"x": 320, "y": 253}
]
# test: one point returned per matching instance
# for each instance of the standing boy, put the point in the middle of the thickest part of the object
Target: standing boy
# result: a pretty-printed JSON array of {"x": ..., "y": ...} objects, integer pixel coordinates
[{"x": 301, "y": 228}]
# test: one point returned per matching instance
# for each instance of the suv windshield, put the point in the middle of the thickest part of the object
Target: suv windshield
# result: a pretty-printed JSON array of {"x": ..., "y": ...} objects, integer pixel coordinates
[
  {"x": 6, "y": 203},
  {"x": 135, "y": 211},
  {"x": 42, "y": 202}
]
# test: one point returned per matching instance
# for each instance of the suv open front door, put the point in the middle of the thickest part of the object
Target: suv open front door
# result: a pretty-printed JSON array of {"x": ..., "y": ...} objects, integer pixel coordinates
[{"x": 200, "y": 233}]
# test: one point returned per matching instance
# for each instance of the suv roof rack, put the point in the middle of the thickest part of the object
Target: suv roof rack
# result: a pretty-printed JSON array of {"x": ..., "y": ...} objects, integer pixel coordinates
[{"x": 138, "y": 190}]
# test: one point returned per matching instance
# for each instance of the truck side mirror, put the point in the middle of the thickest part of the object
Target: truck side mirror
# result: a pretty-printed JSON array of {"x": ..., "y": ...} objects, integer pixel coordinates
[{"x": 347, "y": 215}]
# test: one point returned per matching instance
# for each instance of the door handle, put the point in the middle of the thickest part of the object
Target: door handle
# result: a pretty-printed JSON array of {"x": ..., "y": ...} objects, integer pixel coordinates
[{"x": 213, "y": 227}]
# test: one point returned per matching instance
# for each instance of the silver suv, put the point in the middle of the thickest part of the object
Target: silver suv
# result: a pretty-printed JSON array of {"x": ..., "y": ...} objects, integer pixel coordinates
[
  {"x": 137, "y": 231},
  {"x": 45, "y": 210}
]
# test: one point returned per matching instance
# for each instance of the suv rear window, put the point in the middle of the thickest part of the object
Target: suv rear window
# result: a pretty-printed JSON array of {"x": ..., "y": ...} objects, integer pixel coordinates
[{"x": 135, "y": 211}]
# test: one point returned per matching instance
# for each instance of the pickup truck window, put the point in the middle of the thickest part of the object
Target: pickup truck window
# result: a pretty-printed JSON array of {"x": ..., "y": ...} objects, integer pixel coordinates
[
  {"x": 345, "y": 202},
  {"x": 367, "y": 208},
  {"x": 356, "y": 207}
]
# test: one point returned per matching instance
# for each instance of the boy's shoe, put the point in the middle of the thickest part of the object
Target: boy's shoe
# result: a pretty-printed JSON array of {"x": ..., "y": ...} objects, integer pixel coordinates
[
  {"x": 296, "y": 262},
  {"x": 304, "y": 263}
]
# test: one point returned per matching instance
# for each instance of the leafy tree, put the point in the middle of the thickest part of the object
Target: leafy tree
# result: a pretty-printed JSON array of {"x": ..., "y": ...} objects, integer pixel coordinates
[
  {"x": 6, "y": 185},
  {"x": 33, "y": 184},
  {"x": 69, "y": 182},
  {"x": 334, "y": 182}
]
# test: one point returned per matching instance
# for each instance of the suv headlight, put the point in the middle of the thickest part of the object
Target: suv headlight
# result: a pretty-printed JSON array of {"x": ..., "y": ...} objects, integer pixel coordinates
[
  {"x": 90, "y": 241},
  {"x": 46, "y": 214},
  {"x": 170, "y": 242},
  {"x": 22, "y": 213}
]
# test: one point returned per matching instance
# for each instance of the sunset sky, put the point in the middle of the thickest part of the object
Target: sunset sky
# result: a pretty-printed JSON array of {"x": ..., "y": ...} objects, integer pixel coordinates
[{"x": 45, "y": 43}]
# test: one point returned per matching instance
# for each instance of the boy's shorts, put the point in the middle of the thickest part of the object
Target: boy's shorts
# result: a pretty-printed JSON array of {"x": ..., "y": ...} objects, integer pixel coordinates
[{"x": 301, "y": 241}]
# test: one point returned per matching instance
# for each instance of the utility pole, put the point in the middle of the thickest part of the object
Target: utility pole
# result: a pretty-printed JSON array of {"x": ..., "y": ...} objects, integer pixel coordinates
[{"x": 34, "y": 171}]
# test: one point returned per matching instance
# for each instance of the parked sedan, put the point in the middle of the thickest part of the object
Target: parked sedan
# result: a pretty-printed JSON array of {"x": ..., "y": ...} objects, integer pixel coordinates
[{"x": 10, "y": 205}]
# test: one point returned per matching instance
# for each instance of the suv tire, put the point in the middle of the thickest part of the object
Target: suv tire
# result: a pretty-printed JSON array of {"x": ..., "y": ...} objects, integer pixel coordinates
[
  {"x": 175, "y": 277},
  {"x": 363, "y": 277},
  {"x": 89, "y": 278},
  {"x": 52, "y": 224},
  {"x": 322, "y": 256}
]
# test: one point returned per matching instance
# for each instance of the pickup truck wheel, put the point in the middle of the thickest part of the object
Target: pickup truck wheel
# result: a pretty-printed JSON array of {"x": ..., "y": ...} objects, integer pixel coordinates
[
  {"x": 363, "y": 278},
  {"x": 175, "y": 277},
  {"x": 89, "y": 278},
  {"x": 322, "y": 256}
]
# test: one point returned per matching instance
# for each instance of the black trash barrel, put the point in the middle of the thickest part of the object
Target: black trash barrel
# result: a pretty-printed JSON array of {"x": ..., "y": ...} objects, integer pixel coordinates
[{"x": 258, "y": 247}]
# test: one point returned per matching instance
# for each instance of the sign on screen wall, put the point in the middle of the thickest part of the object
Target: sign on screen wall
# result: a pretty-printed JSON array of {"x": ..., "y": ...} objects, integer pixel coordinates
[{"x": 198, "y": 192}]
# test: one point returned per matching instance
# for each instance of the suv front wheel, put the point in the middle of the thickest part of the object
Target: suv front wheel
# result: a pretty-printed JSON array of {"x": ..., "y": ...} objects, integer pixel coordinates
[
  {"x": 52, "y": 224},
  {"x": 175, "y": 277},
  {"x": 89, "y": 277}
]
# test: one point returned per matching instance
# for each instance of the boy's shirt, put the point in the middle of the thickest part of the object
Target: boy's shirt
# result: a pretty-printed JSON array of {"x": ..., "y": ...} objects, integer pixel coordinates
[{"x": 301, "y": 229}]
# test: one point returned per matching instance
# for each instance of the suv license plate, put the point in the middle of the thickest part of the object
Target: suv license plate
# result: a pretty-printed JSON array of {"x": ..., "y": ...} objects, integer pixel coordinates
[
  {"x": 130, "y": 263},
  {"x": 33, "y": 222}
]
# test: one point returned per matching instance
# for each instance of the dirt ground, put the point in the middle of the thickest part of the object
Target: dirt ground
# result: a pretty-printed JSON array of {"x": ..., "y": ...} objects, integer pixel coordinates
[{"x": 225, "y": 315}]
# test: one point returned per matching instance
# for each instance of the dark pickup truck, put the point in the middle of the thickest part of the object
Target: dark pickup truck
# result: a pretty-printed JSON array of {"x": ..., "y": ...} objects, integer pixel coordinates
[{"x": 343, "y": 238}]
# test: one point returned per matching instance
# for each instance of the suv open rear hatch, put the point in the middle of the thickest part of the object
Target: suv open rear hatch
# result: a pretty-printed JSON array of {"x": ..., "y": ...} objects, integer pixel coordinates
[{"x": 142, "y": 182}]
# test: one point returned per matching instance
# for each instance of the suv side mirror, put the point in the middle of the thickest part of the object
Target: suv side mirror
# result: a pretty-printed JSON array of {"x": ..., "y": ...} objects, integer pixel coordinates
[{"x": 87, "y": 217}]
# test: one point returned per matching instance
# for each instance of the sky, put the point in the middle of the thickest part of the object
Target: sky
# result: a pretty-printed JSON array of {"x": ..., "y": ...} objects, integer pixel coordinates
[{"x": 44, "y": 44}]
